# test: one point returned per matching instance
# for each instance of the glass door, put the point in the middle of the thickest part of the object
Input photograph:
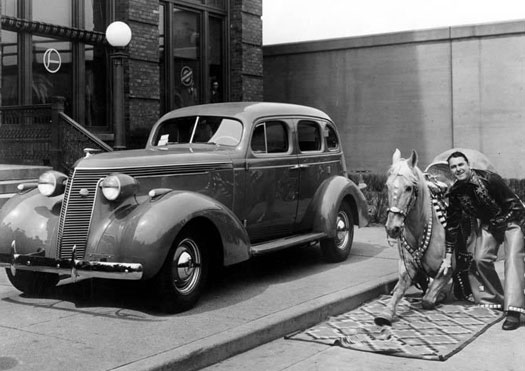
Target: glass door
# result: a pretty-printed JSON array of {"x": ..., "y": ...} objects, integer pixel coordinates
[{"x": 186, "y": 58}]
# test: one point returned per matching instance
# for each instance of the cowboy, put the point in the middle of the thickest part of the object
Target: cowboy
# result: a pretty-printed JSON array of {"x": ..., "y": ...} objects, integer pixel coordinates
[{"x": 500, "y": 217}]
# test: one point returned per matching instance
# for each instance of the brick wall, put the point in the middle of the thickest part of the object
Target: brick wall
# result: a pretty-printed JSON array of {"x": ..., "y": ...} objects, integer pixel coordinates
[
  {"x": 142, "y": 72},
  {"x": 246, "y": 50}
]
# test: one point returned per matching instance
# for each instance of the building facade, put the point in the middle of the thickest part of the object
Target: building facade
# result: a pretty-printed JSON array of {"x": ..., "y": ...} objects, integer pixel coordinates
[
  {"x": 182, "y": 52},
  {"x": 428, "y": 90}
]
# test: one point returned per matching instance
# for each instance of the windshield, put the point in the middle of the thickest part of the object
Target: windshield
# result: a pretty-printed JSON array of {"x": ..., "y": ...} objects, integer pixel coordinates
[{"x": 199, "y": 129}]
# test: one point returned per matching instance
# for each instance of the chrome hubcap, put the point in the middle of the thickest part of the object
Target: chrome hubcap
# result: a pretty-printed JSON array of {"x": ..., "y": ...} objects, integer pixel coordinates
[
  {"x": 343, "y": 230},
  {"x": 186, "y": 267}
]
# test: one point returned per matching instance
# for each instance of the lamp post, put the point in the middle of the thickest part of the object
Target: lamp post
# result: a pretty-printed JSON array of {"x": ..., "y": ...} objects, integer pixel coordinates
[{"x": 118, "y": 35}]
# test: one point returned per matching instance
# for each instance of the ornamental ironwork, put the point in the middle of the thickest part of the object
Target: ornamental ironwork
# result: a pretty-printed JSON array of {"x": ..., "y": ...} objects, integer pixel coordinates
[{"x": 46, "y": 29}]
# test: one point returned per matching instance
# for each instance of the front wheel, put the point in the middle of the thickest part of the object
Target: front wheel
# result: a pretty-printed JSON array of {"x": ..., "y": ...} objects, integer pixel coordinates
[
  {"x": 337, "y": 248},
  {"x": 32, "y": 283},
  {"x": 183, "y": 275}
]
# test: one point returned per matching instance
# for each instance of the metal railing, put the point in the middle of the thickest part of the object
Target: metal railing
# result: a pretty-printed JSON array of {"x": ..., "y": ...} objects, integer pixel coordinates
[{"x": 44, "y": 135}]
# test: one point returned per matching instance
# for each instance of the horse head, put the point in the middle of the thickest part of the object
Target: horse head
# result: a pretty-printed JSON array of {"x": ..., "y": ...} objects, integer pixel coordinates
[{"x": 403, "y": 185}]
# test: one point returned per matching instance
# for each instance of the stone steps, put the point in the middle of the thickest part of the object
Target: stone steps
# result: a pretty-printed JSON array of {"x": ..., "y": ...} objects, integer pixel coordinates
[{"x": 12, "y": 175}]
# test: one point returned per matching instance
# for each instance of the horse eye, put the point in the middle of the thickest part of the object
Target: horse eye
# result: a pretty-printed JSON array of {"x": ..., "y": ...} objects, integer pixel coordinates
[{"x": 409, "y": 189}]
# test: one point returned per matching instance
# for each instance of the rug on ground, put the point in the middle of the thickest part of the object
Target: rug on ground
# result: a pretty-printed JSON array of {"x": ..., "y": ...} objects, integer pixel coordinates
[{"x": 434, "y": 334}]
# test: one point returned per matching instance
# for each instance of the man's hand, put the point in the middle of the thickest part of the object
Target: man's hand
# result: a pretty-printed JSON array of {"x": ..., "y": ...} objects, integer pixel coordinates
[{"x": 445, "y": 265}]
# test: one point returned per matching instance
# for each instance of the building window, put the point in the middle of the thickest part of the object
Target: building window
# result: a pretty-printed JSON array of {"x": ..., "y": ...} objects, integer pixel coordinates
[
  {"x": 96, "y": 96},
  {"x": 10, "y": 8},
  {"x": 95, "y": 15},
  {"x": 215, "y": 65},
  {"x": 9, "y": 68},
  {"x": 40, "y": 62},
  {"x": 211, "y": 3},
  {"x": 192, "y": 51},
  {"x": 52, "y": 76},
  {"x": 56, "y": 12},
  {"x": 186, "y": 57}
]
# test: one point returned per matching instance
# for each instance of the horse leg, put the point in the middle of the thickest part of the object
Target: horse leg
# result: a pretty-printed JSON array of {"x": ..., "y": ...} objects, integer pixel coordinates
[
  {"x": 435, "y": 293},
  {"x": 405, "y": 280}
]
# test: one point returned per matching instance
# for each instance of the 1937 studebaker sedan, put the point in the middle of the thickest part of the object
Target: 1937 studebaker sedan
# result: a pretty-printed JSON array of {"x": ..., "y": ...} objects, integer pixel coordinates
[{"x": 215, "y": 185}]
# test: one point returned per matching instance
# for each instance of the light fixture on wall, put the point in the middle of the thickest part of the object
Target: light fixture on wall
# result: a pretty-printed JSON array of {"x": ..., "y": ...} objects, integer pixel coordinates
[{"x": 118, "y": 35}]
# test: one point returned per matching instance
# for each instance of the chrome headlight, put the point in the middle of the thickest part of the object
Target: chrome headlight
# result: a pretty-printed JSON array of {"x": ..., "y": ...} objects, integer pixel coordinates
[
  {"x": 52, "y": 183},
  {"x": 118, "y": 186}
]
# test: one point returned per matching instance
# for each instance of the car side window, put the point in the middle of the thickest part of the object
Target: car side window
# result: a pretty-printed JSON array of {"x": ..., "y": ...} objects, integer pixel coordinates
[
  {"x": 270, "y": 137},
  {"x": 332, "y": 142},
  {"x": 309, "y": 134}
]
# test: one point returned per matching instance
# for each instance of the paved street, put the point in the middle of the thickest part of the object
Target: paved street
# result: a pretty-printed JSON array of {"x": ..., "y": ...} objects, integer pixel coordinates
[{"x": 106, "y": 325}]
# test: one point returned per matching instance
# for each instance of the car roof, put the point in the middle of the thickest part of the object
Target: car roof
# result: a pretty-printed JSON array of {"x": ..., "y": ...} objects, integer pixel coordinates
[{"x": 247, "y": 111}]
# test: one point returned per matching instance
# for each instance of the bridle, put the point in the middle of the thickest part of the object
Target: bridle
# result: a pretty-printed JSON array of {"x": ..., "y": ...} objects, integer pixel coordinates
[
  {"x": 410, "y": 205},
  {"x": 418, "y": 251}
]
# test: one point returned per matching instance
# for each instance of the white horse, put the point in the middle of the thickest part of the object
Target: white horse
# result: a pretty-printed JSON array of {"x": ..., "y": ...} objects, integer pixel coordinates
[{"x": 413, "y": 222}]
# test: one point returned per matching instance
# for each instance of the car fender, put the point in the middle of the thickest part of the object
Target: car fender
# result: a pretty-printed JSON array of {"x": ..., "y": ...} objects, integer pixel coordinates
[
  {"x": 30, "y": 219},
  {"x": 144, "y": 233},
  {"x": 327, "y": 199}
]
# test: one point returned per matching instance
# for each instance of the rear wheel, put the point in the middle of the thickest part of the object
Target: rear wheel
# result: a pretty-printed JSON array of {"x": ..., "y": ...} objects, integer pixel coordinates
[
  {"x": 184, "y": 273},
  {"x": 337, "y": 248},
  {"x": 32, "y": 283}
]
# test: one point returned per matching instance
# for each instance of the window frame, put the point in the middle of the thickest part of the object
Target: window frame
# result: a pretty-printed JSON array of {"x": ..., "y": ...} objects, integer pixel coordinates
[
  {"x": 287, "y": 129},
  {"x": 319, "y": 130},
  {"x": 205, "y": 13},
  {"x": 330, "y": 126},
  {"x": 78, "y": 59}
]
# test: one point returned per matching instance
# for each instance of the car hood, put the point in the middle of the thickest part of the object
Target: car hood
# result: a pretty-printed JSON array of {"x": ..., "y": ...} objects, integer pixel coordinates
[{"x": 166, "y": 156}]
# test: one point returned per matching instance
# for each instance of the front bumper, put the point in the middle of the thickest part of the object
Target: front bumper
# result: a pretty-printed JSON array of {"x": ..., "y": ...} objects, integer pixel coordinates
[{"x": 73, "y": 269}]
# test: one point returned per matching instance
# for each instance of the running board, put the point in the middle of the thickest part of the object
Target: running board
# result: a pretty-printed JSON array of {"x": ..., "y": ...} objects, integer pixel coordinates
[{"x": 282, "y": 243}]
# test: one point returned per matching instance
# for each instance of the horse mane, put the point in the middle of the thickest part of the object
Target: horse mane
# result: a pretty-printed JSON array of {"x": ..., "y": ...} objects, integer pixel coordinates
[{"x": 415, "y": 176}]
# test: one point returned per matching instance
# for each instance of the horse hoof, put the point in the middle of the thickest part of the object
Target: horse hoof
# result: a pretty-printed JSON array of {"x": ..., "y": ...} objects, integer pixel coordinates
[
  {"x": 381, "y": 321},
  {"x": 428, "y": 304}
]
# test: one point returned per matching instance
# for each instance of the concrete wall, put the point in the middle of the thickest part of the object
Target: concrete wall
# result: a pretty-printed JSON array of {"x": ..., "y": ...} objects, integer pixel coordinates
[{"x": 426, "y": 90}]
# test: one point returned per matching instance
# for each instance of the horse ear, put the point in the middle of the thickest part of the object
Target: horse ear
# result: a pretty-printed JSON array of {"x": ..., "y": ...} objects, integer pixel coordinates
[
  {"x": 396, "y": 156},
  {"x": 413, "y": 158}
]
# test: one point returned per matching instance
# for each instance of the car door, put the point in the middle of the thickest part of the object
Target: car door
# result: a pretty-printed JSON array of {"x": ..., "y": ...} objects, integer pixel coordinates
[
  {"x": 319, "y": 158},
  {"x": 272, "y": 181}
]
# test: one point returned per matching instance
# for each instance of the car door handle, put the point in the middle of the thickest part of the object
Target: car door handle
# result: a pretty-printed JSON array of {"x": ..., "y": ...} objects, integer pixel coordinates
[{"x": 296, "y": 167}]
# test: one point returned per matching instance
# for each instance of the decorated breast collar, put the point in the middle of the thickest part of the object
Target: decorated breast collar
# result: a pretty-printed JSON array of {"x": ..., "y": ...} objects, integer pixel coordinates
[{"x": 419, "y": 251}]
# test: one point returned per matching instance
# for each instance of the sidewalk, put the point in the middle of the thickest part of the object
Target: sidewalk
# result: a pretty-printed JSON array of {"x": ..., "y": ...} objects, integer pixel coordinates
[
  {"x": 494, "y": 349},
  {"x": 370, "y": 270},
  {"x": 115, "y": 328}
]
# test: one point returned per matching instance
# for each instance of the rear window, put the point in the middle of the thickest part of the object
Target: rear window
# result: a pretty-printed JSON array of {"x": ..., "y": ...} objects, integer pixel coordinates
[
  {"x": 332, "y": 142},
  {"x": 309, "y": 133}
]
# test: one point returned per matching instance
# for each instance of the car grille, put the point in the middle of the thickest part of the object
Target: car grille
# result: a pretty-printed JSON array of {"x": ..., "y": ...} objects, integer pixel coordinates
[{"x": 75, "y": 216}]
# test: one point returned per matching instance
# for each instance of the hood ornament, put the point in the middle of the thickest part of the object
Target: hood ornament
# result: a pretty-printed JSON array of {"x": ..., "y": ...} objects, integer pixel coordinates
[{"x": 90, "y": 151}]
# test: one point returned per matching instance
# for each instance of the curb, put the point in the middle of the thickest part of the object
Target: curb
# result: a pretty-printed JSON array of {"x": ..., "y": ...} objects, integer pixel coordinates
[{"x": 223, "y": 345}]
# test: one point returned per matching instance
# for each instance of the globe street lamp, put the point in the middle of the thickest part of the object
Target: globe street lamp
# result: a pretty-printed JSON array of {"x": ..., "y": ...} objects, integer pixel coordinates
[{"x": 118, "y": 35}]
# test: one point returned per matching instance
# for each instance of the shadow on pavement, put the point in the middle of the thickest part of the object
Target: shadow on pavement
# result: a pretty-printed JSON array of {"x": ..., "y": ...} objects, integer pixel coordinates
[{"x": 231, "y": 286}]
